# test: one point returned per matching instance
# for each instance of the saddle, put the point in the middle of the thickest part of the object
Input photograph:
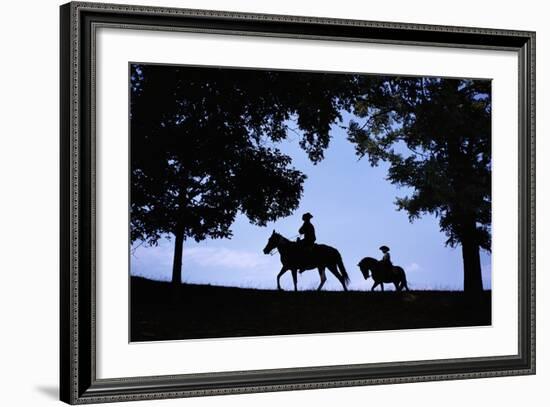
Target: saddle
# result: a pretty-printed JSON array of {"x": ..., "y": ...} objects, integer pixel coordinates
[
  {"x": 389, "y": 272},
  {"x": 308, "y": 258}
]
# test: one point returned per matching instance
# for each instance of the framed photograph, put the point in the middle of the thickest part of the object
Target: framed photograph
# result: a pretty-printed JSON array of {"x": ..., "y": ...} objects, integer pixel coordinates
[{"x": 255, "y": 203}]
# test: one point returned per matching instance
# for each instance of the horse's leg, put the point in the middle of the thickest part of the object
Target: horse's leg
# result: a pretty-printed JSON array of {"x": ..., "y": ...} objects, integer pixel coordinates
[
  {"x": 374, "y": 285},
  {"x": 295, "y": 278},
  {"x": 334, "y": 270},
  {"x": 323, "y": 278},
  {"x": 283, "y": 271},
  {"x": 400, "y": 278},
  {"x": 382, "y": 286}
]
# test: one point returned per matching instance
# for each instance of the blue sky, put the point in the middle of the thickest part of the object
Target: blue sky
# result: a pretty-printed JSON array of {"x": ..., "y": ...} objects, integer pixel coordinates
[{"x": 353, "y": 208}]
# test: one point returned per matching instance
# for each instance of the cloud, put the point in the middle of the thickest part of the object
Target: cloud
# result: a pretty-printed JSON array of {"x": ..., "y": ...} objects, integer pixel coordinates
[
  {"x": 413, "y": 267},
  {"x": 222, "y": 257}
]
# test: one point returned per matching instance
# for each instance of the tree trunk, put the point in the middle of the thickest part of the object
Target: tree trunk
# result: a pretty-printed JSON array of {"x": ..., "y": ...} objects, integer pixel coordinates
[
  {"x": 472, "y": 265},
  {"x": 178, "y": 253}
]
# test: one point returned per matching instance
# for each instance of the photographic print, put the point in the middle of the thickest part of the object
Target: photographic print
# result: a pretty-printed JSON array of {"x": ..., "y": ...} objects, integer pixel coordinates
[
  {"x": 232, "y": 182},
  {"x": 277, "y": 202}
]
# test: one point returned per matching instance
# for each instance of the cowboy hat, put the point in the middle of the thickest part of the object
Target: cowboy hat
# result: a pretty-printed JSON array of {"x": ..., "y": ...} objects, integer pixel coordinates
[
  {"x": 307, "y": 215},
  {"x": 384, "y": 248}
]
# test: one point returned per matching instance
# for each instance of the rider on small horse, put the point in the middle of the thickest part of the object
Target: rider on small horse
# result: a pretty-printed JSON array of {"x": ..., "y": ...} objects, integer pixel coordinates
[{"x": 385, "y": 261}]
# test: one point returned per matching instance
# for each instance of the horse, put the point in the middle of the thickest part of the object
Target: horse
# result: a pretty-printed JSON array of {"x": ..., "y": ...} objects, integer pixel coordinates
[
  {"x": 293, "y": 259},
  {"x": 372, "y": 267}
]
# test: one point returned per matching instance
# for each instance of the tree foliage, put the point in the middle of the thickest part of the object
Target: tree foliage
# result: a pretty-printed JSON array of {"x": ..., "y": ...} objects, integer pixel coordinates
[
  {"x": 203, "y": 145},
  {"x": 435, "y": 133}
]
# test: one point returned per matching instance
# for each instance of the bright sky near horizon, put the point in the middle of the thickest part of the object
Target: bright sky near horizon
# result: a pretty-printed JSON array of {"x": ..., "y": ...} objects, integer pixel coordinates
[{"x": 354, "y": 211}]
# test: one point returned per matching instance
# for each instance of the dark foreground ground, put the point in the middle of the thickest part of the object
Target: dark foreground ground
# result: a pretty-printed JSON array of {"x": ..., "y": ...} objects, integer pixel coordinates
[{"x": 158, "y": 311}]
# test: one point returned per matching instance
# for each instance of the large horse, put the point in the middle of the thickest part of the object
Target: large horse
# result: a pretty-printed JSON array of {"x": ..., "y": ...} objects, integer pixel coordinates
[
  {"x": 372, "y": 267},
  {"x": 295, "y": 258}
]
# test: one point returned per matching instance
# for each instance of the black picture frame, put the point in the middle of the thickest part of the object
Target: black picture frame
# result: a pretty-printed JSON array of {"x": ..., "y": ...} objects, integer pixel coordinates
[{"x": 78, "y": 381}]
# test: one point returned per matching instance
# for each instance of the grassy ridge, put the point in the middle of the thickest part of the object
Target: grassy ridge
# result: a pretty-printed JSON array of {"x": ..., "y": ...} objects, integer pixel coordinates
[{"x": 160, "y": 311}]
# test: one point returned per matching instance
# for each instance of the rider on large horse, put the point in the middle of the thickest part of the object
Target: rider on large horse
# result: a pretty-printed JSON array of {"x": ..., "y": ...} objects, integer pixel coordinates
[{"x": 308, "y": 231}]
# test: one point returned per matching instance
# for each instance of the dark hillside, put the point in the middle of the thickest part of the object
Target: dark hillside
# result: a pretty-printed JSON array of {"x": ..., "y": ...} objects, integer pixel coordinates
[{"x": 161, "y": 312}]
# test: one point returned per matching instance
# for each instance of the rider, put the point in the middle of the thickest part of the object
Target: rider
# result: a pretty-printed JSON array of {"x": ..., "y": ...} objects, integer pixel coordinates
[
  {"x": 308, "y": 231},
  {"x": 385, "y": 261}
]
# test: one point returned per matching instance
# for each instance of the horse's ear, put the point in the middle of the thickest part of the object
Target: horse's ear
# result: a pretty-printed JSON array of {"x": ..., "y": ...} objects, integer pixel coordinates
[{"x": 273, "y": 232}]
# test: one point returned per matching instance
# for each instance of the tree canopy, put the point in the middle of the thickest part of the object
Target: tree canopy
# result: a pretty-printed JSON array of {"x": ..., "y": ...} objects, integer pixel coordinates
[
  {"x": 436, "y": 135},
  {"x": 203, "y": 146}
]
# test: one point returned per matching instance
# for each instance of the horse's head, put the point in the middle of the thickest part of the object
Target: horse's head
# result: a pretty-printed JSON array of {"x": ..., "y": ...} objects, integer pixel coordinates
[
  {"x": 272, "y": 243},
  {"x": 366, "y": 266}
]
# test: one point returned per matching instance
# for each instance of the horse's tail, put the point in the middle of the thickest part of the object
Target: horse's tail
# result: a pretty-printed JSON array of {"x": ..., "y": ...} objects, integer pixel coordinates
[
  {"x": 403, "y": 279},
  {"x": 342, "y": 269}
]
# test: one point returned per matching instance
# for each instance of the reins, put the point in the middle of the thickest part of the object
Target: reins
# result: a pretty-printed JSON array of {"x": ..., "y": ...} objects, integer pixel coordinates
[{"x": 275, "y": 250}]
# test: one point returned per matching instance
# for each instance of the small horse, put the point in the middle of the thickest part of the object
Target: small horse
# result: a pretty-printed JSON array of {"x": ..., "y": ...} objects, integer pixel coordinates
[
  {"x": 372, "y": 267},
  {"x": 294, "y": 259}
]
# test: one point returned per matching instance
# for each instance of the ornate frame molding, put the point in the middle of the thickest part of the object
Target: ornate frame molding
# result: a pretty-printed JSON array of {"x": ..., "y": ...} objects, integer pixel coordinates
[{"x": 78, "y": 380}]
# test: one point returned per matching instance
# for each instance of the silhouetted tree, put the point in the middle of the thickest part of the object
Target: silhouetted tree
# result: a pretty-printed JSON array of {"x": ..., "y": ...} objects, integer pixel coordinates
[
  {"x": 436, "y": 136},
  {"x": 203, "y": 146}
]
